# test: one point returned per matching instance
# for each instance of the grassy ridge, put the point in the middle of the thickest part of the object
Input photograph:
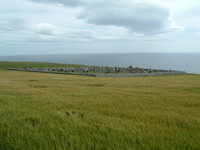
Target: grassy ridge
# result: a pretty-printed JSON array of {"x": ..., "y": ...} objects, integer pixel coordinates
[
  {"x": 5, "y": 64},
  {"x": 51, "y": 111}
]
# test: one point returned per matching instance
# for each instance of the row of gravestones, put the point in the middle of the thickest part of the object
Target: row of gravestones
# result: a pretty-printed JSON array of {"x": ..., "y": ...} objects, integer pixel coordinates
[{"x": 97, "y": 70}]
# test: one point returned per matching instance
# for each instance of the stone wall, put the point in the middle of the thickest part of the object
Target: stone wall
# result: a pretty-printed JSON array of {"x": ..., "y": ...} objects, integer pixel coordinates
[{"x": 142, "y": 74}]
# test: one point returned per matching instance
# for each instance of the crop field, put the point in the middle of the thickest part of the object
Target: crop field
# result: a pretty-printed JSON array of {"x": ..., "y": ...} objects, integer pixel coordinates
[{"x": 41, "y": 111}]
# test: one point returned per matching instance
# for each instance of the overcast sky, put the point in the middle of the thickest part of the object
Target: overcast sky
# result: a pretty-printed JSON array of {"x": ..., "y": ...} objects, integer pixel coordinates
[{"x": 98, "y": 26}]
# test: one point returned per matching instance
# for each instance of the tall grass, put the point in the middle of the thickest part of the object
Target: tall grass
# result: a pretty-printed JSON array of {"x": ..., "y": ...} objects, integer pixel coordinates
[{"x": 52, "y": 111}]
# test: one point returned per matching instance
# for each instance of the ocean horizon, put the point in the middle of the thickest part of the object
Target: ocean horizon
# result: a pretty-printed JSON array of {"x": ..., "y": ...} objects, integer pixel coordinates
[{"x": 189, "y": 62}]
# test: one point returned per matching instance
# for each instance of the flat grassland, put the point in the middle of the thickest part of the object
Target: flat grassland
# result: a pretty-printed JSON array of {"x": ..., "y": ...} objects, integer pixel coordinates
[{"x": 55, "y": 111}]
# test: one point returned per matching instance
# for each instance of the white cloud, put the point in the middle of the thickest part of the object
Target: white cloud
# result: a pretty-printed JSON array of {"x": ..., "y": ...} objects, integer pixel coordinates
[
  {"x": 68, "y": 3},
  {"x": 46, "y": 28}
]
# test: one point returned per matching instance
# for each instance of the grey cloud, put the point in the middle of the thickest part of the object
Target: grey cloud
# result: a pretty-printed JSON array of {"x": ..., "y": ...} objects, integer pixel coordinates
[
  {"x": 12, "y": 24},
  {"x": 144, "y": 18},
  {"x": 68, "y": 3}
]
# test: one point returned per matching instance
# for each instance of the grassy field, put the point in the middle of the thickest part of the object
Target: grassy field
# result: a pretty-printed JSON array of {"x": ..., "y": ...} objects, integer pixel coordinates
[
  {"x": 5, "y": 64},
  {"x": 53, "y": 111}
]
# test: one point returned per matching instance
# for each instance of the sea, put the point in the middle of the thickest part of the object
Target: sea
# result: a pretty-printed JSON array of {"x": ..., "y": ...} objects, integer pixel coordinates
[{"x": 189, "y": 62}]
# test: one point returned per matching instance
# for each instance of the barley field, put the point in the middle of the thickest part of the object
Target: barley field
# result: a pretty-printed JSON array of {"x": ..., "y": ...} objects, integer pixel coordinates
[{"x": 40, "y": 111}]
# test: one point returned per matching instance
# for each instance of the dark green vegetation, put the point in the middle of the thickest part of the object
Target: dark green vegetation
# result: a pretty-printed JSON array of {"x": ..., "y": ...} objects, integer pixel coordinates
[
  {"x": 5, "y": 64},
  {"x": 53, "y": 111}
]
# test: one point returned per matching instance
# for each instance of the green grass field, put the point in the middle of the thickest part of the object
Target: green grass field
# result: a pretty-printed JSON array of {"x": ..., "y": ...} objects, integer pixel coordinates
[
  {"x": 4, "y": 64},
  {"x": 41, "y": 111}
]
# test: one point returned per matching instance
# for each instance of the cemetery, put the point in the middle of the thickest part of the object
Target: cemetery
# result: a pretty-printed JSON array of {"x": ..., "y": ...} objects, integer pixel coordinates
[{"x": 98, "y": 71}]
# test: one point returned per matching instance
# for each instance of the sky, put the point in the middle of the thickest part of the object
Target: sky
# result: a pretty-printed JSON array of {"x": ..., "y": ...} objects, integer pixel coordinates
[{"x": 37, "y": 27}]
